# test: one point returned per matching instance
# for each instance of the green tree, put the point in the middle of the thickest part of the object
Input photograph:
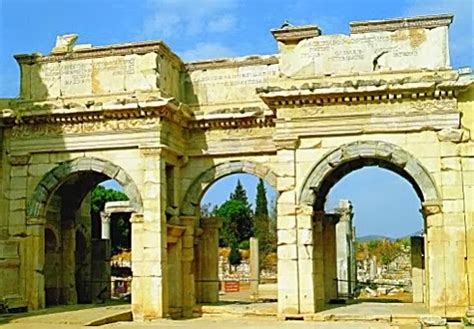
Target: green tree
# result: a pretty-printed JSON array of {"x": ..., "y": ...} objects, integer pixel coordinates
[
  {"x": 261, "y": 222},
  {"x": 261, "y": 204},
  {"x": 240, "y": 194},
  {"x": 120, "y": 228},
  {"x": 237, "y": 222}
]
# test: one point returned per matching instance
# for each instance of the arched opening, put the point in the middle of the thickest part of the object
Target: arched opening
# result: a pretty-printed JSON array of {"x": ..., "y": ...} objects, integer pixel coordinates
[
  {"x": 244, "y": 208},
  {"x": 78, "y": 270},
  {"x": 195, "y": 205},
  {"x": 333, "y": 224}
]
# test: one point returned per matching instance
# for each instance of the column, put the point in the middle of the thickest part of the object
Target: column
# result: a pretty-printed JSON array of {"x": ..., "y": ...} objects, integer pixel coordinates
[
  {"x": 187, "y": 266},
  {"x": 209, "y": 260},
  {"x": 254, "y": 268},
  {"x": 344, "y": 247},
  {"x": 68, "y": 260},
  {"x": 318, "y": 261},
  {"x": 105, "y": 221},
  {"x": 175, "y": 274},
  {"x": 417, "y": 268},
  {"x": 330, "y": 257}
]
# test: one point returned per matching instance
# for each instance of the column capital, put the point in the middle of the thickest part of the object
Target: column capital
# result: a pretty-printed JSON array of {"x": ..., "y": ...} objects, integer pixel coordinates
[
  {"x": 211, "y": 222},
  {"x": 136, "y": 218},
  {"x": 105, "y": 217},
  {"x": 36, "y": 221},
  {"x": 431, "y": 208}
]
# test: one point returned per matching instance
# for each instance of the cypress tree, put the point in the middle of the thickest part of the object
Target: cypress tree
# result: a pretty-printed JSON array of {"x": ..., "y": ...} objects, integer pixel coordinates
[
  {"x": 261, "y": 221},
  {"x": 239, "y": 194},
  {"x": 261, "y": 204}
]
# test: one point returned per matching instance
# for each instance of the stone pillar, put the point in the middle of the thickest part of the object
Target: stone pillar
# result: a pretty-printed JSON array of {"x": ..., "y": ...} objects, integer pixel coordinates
[
  {"x": 100, "y": 270},
  {"x": 445, "y": 262},
  {"x": 68, "y": 260},
  {"x": 187, "y": 260},
  {"x": 318, "y": 261},
  {"x": 149, "y": 242},
  {"x": 33, "y": 257},
  {"x": 254, "y": 268},
  {"x": 175, "y": 277},
  {"x": 287, "y": 231},
  {"x": 345, "y": 249},
  {"x": 417, "y": 268},
  {"x": 105, "y": 228},
  {"x": 329, "y": 255},
  {"x": 208, "y": 249}
]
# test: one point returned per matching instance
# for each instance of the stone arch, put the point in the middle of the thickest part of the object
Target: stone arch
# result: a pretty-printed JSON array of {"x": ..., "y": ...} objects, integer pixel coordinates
[
  {"x": 52, "y": 180},
  {"x": 348, "y": 157},
  {"x": 199, "y": 186}
]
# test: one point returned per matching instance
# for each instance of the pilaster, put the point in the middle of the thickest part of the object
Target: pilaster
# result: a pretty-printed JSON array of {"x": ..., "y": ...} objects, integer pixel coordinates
[
  {"x": 287, "y": 229},
  {"x": 149, "y": 242}
]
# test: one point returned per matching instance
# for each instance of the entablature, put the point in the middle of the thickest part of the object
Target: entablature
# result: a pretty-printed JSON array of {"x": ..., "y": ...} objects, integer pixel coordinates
[{"x": 363, "y": 91}]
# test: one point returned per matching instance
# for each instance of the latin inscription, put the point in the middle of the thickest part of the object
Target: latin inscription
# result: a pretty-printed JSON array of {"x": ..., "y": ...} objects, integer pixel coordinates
[
  {"x": 236, "y": 79},
  {"x": 353, "y": 48},
  {"x": 78, "y": 73}
]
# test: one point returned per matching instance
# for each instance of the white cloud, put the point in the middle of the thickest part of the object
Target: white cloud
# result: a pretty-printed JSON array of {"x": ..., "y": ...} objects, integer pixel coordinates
[
  {"x": 206, "y": 50},
  {"x": 461, "y": 30},
  {"x": 223, "y": 23},
  {"x": 169, "y": 18}
]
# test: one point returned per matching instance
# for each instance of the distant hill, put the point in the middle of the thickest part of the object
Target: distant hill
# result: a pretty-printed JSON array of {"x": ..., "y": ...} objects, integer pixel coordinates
[
  {"x": 366, "y": 238},
  {"x": 374, "y": 237}
]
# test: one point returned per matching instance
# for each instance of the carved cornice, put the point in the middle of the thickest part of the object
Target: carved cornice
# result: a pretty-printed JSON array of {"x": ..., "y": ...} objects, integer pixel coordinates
[
  {"x": 233, "y": 123},
  {"x": 31, "y": 119},
  {"x": 138, "y": 48},
  {"x": 357, "y": 92},
  {"x": 70, "y": 128},
  {"x": 417, "y": 22},
  {"x": 230, "y": 63},
  {"x": 296, "y": 33}
]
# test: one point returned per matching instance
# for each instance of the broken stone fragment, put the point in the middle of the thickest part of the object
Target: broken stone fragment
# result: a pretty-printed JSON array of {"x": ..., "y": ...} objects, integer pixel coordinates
[
  {"x": 64, "y": 43},
  {"x": 432, "y": 321},
  {"x": 453, "y": 135}
]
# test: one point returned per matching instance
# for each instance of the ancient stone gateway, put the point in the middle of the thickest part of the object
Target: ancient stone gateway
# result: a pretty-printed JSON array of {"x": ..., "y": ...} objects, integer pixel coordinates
[{"x": 325, "y": 105}]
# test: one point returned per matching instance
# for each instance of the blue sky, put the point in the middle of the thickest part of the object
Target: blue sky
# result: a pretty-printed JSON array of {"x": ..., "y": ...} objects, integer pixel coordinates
[
  {"x": 221, "y": 28},
  {"x": 200, "y": 29}
]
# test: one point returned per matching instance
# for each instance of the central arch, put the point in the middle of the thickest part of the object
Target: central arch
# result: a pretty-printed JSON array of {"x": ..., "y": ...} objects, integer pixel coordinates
[
  {"x": 349, "y": 157},
  {"x": 199, "y": 186}
]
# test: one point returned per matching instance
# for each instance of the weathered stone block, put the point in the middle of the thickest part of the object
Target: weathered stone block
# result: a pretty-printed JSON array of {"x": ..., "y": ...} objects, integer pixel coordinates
[
  {"x": 450, "y": 178},
  {"x": 305, "y": 236},
  {"x": 453, "y": 206},
  {"x": 453, "y": 192},
  {"x": 286, "y": 222},
  {"x": 451, "y": 163},
  {"x": 287, "y": 252},
  {"x": 286, "y": 237}
]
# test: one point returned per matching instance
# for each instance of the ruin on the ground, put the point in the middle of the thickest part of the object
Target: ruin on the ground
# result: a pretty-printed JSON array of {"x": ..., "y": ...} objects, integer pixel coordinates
[{"x": 321, "y": 107}]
